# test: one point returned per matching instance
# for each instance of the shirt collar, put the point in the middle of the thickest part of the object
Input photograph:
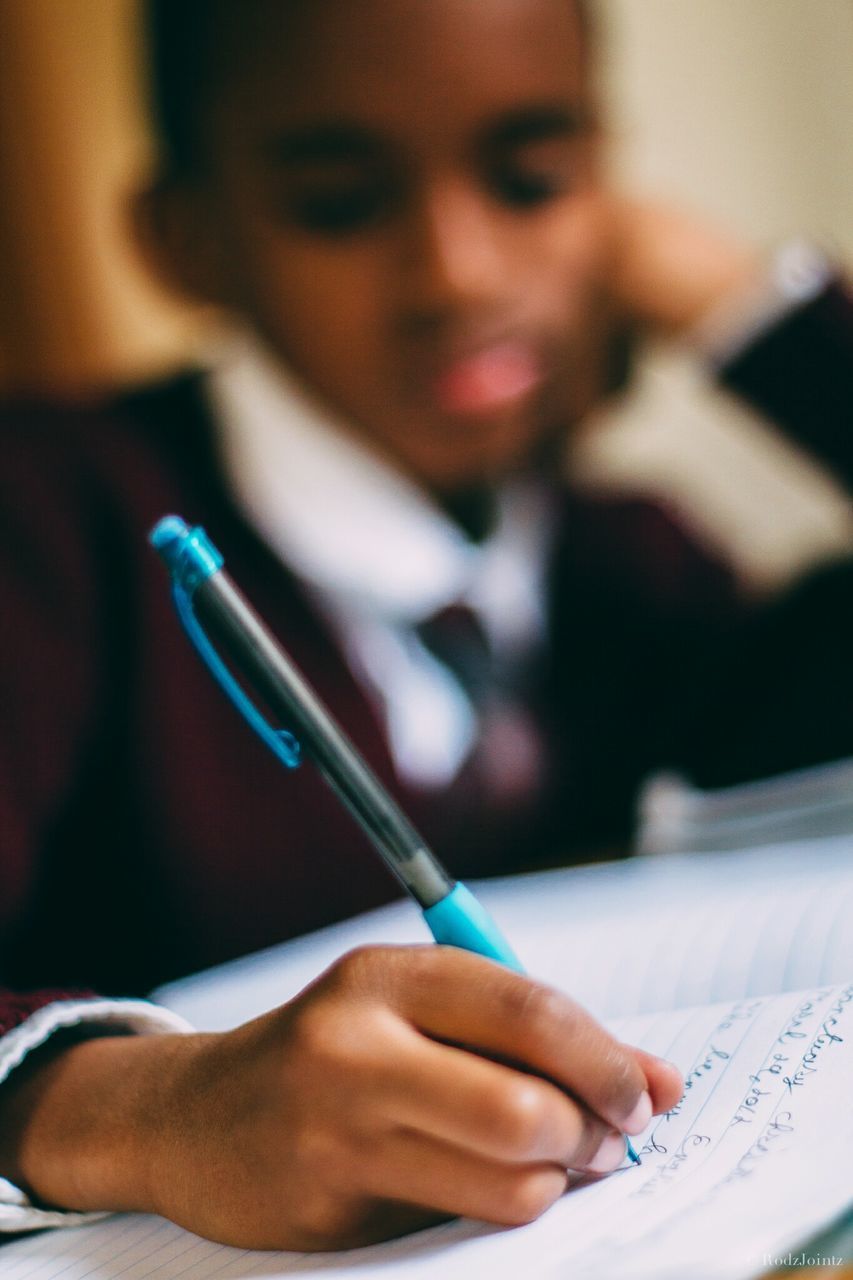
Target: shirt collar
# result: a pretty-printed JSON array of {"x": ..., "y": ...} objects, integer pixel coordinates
[{"x": 345, "y": 519}]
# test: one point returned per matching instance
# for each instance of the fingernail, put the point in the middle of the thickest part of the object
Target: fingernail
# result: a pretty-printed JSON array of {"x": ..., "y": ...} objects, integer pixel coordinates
[
  {"x": 609, "y": 1155},
  {"x": 640, "y": 1116}
]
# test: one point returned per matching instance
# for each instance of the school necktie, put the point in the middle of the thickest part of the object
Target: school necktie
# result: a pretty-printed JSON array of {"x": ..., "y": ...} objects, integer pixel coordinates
[{"x": 508, "y": 761}]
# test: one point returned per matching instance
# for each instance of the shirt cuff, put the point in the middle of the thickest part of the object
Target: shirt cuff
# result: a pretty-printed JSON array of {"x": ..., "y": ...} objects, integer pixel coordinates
[
  {"x": 138, "y": 1017},
  {"x": 797, "y": 272}
]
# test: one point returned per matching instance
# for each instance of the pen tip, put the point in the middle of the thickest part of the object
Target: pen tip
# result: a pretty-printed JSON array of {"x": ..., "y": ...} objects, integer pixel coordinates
[{"x": 630, "y": 1152}]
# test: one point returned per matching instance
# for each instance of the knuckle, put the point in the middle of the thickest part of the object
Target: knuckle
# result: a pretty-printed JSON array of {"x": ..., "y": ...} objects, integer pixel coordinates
[
  {"x": 334, "y": 1037},
  {"x": 379, "y": 972},
  {"x": 535, "y": 1006},
  {"x": 518, "y": 1117},
  {"x": 337, "y": 1040},
  {"x": 620, "y": 1086},
  {"x": 325, "y": 1035},
  {"x": 429, "y": 964},
  {"x": 354, "y": 1222},
  {"x": 319, "y": 1155},
  {"x": 571, "y": 1019},
  {"x": 530, "y": 1194},
  {"x": 325, "y": 1221},
  {"x": 360, "y": 970},
  {"x": 319, "y": 1149}
]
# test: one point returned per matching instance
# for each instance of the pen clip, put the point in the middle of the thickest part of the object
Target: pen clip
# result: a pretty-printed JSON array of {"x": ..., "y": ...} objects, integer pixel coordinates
[
  {"x": 280, "y": 742},
  {"x": 192, "y": 558}
]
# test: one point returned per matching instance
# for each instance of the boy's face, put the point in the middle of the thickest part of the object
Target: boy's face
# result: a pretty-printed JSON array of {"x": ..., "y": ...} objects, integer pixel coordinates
[{"x": 402, "y": 198}]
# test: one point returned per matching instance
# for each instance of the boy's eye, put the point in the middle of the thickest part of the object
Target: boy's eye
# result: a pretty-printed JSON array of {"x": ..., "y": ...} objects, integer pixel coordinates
[
  {"x": 524, "y": 190},
  {"x": 534, "y": 173},
  {"x": 338, "y": 211}
]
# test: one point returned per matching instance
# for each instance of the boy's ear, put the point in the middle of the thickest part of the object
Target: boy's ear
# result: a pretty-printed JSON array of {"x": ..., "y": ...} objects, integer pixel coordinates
[{"x": 176, "y": 234}]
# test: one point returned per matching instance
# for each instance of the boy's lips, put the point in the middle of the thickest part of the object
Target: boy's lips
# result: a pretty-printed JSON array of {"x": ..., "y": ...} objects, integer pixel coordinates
[{"x": 487, "y": 379}]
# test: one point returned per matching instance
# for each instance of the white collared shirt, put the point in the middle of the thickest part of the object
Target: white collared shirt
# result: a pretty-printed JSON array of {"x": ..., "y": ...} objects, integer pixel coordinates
[{"x": 376, "y": 553}]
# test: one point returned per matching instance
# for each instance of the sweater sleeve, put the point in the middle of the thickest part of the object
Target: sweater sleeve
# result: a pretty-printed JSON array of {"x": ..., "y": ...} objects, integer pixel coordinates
[
  {"x": 799, "y": 373},
  {"x": 16, "y": 1006},
  {"x": 38, "y": 1017}
]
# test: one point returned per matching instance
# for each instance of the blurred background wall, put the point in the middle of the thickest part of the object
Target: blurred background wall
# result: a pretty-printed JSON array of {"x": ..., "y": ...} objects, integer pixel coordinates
[
  {"x": 742, "y": 108},
  {"x": 76, "y": 306}
]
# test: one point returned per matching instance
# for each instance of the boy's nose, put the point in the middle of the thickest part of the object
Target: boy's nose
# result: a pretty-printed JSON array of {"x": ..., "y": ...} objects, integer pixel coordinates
[{"x": 453, "y": 254}]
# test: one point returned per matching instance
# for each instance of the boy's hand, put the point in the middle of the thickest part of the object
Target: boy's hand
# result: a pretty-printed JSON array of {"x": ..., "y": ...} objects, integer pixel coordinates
[
  {"x": 404, "y": 1086},
  {"x": 661, "y": 273},
  {"x": 669, "y": 270}
]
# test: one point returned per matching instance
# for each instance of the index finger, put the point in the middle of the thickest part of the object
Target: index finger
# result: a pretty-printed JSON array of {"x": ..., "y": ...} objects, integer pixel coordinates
[{"x": 463, "y": 998}]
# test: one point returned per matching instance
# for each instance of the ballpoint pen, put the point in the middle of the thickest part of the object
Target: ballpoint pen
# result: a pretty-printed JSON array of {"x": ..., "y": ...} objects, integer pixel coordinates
[{"x": 219, "y": 621}]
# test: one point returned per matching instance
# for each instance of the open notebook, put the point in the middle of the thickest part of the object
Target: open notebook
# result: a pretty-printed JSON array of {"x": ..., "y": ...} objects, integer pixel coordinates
[{"x": 678, "y": 955}]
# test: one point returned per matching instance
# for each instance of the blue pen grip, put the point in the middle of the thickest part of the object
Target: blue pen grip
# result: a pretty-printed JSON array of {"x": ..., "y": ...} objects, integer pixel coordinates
[{"x": 459, "y": 920}]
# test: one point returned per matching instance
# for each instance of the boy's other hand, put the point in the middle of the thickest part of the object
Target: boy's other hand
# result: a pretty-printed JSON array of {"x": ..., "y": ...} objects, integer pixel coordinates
[
  {"x": 406, "y": 1085},
  {"x": 669, "y": 270}
]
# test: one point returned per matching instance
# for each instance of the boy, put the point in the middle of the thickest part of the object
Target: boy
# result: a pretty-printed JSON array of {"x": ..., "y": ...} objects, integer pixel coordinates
[{"x": 401, "y": 202}]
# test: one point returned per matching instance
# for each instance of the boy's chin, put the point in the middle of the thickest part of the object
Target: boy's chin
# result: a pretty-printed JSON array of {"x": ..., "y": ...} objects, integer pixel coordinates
[
  {"x": 462, "y": 453},
  {"x": 488, "y": 463}
]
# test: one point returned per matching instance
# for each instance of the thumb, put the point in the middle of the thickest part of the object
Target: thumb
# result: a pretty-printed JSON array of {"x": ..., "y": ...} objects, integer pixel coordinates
[{"x": 665, "y": 1082}]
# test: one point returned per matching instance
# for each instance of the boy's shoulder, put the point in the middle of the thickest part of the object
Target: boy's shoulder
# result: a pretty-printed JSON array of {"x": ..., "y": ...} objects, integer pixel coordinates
[
  {"x": 142, "y": 419},
  {"x": 110, "y": 466},
  {"x": 148, "y": 435},
  {"x": 642, "y": 550}
]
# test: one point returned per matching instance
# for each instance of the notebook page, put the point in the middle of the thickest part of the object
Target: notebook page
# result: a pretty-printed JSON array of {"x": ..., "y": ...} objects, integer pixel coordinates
[
  {"x": 623, "y": 938},
  {"x": 753, "y": 1162},
  {"x": 686, "y": 931}
]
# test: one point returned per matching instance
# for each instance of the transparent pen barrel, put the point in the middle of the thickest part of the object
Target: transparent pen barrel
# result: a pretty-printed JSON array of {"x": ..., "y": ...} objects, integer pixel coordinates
[{"x": 239, "y": 634}]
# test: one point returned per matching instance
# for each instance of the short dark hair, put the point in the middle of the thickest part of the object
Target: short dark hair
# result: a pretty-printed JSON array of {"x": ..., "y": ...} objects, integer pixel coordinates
[{"x": 188, "y": 53}]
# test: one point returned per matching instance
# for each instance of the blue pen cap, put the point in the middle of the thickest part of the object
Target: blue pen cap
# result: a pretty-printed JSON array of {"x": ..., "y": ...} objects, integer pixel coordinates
[
  {"x": 167, "y": 537},
  {"x": 188, "y": 554}
]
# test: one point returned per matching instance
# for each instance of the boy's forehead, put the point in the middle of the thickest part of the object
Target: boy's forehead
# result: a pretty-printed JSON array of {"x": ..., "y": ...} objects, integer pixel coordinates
[{"x": 400, "y": 63}]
